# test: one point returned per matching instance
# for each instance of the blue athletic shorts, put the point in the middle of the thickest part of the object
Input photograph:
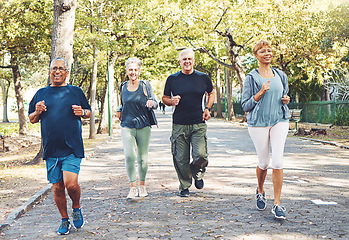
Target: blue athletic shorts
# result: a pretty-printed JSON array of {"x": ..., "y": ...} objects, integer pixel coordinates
[{"x": 56, "y": 166}]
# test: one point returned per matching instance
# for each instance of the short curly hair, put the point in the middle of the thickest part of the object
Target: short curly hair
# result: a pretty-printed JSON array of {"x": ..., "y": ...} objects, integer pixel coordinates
[{"x": 259, "y": 45}]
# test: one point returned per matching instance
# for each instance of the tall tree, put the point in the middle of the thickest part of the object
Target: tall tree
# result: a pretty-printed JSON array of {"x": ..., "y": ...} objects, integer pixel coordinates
[
  {"x": 93, "y": 90},
  {"x": 23, "y": 31},
  {"x": 61, "y": 40},
  {"x": 63, "y": 29}
]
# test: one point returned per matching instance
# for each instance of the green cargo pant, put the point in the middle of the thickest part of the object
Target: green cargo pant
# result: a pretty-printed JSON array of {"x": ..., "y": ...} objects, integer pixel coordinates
[{"x": 184, "y": 136}]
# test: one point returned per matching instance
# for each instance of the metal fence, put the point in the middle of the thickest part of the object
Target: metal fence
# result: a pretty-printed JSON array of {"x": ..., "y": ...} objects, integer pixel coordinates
[
  {"x": 236, "y": 105},
  {"x": 325, "y": 112}
]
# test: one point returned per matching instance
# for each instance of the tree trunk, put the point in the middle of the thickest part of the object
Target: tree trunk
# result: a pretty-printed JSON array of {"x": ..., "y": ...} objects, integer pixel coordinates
[
  {"x": 240, "y": 73},
  {"x": 326, "y": 91},
  {"x": 113, "y": 92},
  {"x": 5, "y": 85},
  {"x": 93, "y": 94},
  {"x": 122, "y": 79},
  {"x": 63, "y": 30},
  {"x": 218, "y": 93},
  {"x": 23, "y": 126},
  {"x": 230, "y": 95},
  {"x": 104, "y": 123},
  {"x": 38, "y": 158}
]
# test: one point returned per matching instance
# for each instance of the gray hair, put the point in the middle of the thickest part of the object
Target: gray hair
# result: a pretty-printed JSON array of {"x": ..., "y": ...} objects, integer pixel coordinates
[
  {"x": 189, "y": 50},
  {"x": 62, "y": 59},
  {"x": 134, "y": 60}
]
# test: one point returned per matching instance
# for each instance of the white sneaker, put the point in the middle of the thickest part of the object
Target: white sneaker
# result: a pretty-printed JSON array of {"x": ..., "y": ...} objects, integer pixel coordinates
[
  {"x": 133, "y": 193},
  {"x": 142, "y": 191}
]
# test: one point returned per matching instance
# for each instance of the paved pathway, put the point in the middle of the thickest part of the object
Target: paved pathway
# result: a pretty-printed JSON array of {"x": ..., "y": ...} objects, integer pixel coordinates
[{"x": 224, "y": 209}]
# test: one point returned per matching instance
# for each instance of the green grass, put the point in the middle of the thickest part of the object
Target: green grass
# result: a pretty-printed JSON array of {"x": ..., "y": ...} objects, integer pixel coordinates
[{"x": 12, "y": 128}]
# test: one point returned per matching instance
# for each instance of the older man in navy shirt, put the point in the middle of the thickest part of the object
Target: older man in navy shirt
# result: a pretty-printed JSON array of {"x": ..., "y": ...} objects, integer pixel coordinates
[
  {"x": 59, "y": 107},
  {"x": 185, "y": 90}
]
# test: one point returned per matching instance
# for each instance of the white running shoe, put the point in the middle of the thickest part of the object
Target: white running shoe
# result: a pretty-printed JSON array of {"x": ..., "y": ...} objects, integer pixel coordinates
[
  {"x": 142, "y": 191},
  {"x": 133, "y": 193}
]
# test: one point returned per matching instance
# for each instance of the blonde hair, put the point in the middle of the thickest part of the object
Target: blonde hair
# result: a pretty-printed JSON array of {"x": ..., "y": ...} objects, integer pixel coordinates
[
  {"x": 134, "y": 60},
  {"x": 259, "y": 45}
]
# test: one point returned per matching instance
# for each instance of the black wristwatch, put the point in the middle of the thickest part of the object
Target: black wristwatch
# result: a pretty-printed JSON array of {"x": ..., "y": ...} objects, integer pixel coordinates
[{"x": 209, "y": 109}]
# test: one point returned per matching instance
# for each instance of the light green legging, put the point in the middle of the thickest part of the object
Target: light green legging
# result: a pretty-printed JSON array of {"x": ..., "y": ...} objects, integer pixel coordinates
[{"x": 133, "y": 138}]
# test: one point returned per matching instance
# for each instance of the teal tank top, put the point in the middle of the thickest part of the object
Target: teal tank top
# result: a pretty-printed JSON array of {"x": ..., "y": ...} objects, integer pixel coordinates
[{"x": 134, "y": 112}]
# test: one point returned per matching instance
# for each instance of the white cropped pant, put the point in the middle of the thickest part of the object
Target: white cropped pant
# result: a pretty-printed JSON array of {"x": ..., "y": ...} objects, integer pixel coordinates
[{"x": 263, "y": 138}]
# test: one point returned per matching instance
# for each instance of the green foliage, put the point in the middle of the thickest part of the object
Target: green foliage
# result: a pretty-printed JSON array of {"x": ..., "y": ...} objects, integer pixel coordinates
[
  {"x": 25, "y": 36},
  {"x": 337, "y": 26},
  {"x": 342, "y": 116},
  {"x": 309, "y": 38},
  {"x": 301, "y": 85},
  {"x": 26, "y": 26}
]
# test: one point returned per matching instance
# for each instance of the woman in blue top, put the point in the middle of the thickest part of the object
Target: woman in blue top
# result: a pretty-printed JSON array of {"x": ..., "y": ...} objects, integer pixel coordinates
[
  {"x": 138, "y": 100},
  {"x": 265, "y": 100}
]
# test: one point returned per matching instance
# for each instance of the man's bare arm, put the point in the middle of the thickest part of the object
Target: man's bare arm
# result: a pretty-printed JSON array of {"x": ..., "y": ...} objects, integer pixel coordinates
[
  {"x": 210, "y": 98},
  {"x": 40, "y": 107},
  {"x": 34, "y": 117},
  {"x": 167, "y": 100}
]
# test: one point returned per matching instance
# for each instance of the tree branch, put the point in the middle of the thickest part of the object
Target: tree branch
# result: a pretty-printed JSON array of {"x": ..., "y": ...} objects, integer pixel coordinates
[
  {"x": 169, "y": 27},
  {"x": 192, "y": 44},
  {"x": 9, "y": 66},
  {"x": 244, "y": 44},
  {"x": 228, "y": 35},
  {"x": 204, "y": 50},
  {"x": 220, "y": 20},
  {"x": 177, "y": 48}
]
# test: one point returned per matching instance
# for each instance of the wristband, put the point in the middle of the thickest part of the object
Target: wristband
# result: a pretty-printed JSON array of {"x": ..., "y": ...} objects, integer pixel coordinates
[
  {"x": 209, "y": 109},
  {"x": 85, "y": 113}
]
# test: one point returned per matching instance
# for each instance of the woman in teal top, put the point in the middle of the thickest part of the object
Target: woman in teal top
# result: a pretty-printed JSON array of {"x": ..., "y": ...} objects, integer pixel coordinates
[{"x": 265, "y": 100}]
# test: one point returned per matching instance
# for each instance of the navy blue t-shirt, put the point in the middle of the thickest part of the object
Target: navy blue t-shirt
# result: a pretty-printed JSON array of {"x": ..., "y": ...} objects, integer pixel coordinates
[
  {"x": 192, "y": 89},
  {"x": 60, "y": 128}
]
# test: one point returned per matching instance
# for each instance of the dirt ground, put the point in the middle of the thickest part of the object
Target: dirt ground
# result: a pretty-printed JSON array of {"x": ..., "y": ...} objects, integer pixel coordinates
[
  {"x": 20, "y": 181},
  {"x": 336, "y": 134}
]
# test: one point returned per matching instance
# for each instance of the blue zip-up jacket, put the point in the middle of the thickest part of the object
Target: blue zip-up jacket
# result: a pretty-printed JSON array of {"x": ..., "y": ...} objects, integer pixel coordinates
[{"x": 252, "y": 86}]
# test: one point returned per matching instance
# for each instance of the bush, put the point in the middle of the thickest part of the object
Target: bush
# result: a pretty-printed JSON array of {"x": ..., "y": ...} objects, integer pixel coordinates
[{"x": 342, "y": 117}]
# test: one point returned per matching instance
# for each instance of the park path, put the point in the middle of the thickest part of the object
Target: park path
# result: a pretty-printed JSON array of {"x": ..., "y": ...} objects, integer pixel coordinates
[{"x": 224, "y": 209}]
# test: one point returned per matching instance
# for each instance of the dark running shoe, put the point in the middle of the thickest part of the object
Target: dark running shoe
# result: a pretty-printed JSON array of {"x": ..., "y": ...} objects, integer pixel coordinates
[
  {"x": 199, "y": 184},
  {"x": 64, "y": 227},
  {"x": 78, "y": 220},
  {"x": 261, "y": 202},
  {"x": 184, "y": 193},
  {"x": 279, "y": 211}
]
